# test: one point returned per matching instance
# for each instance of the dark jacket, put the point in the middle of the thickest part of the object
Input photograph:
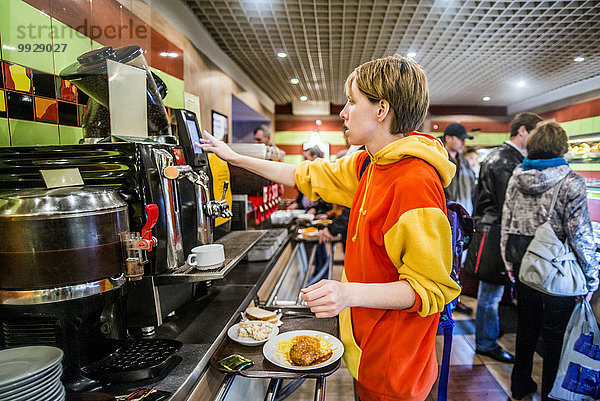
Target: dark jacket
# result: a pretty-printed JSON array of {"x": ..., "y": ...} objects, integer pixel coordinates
[
  {"x": 528, "y": 198},
  {"x": 339, "y": 225},
  {"x": 494, "y": 174}
]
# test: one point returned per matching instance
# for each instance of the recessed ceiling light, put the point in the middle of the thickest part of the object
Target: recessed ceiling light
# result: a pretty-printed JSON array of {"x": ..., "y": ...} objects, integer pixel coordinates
[
  {"x": 282, "y": 54},
  {"x": 521, "y": 84},
  {"x": 294, "y": 81},
  {"x": 578, "y": 59},
  {"x": 411, "y": 54},
  {"x": 303, "y": 98},
  {"x": 486, "y": 98}
]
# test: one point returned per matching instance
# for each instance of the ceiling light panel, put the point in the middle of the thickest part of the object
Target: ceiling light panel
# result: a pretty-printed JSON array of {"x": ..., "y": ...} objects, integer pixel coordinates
[{"x": 466, "y": 47}]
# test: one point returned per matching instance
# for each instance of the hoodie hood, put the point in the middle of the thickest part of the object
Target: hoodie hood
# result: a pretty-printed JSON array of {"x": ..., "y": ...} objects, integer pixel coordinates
[
  {"x": 534, "y": 182},
  {"x": 422, "y": 146}
]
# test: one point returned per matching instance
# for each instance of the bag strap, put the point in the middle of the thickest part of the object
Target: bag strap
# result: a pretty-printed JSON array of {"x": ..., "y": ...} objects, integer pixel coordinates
[{"x": 555, "y": 196}]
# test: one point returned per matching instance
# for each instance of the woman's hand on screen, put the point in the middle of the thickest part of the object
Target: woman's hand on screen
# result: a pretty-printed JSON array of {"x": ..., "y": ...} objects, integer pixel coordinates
[{"x": 220, "y": 148}]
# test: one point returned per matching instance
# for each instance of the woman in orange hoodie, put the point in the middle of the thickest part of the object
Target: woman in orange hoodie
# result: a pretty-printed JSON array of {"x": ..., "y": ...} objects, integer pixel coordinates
[{"x": 396, "y": 277}]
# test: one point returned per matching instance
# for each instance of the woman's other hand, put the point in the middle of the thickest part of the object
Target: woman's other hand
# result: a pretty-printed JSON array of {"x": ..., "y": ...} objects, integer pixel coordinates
[
  {"x": 511, "y": 276},
  {"x": 325, "y": 236},
  {"x": 587, "y": 296},
  {"x": 220, "y": 148},
  {"x": 326, "y": 298}
]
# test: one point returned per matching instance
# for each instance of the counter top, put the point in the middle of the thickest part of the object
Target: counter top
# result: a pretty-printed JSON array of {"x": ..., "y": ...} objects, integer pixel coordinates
[{"x": 202, "y": 324}]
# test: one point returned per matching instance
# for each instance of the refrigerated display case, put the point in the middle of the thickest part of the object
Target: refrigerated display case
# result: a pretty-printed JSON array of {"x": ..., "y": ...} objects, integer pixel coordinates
[{"x": 584, "y": 158}]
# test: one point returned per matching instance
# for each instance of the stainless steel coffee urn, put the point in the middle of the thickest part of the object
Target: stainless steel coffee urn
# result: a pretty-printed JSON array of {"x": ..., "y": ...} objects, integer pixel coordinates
[{"x": 61, "y": 271}]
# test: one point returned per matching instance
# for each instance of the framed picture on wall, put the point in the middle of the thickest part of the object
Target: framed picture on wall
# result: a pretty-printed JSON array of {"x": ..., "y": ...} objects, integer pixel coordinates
[{"x": 219, "y": 126}]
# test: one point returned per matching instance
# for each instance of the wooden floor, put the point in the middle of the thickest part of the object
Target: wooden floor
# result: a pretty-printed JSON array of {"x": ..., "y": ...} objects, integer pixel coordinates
[{"x": 472, "y": 377}]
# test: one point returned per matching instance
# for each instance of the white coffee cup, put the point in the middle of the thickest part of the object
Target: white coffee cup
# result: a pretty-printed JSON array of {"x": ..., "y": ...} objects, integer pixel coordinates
[{"x": 206, "y": 256}]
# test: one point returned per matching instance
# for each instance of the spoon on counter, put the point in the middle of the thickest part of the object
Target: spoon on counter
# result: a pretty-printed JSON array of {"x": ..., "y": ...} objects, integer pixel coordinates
[{"x": 294, "y": 313}]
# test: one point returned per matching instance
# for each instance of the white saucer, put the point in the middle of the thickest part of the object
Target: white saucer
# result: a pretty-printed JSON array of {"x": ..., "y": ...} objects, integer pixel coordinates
[
  {"x": 20, "y": 363},
  {"x": 233, "y": 334}
]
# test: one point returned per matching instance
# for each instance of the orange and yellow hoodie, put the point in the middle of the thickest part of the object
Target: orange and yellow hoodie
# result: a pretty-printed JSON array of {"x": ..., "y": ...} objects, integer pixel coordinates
[{"x": 398, "y": 230}]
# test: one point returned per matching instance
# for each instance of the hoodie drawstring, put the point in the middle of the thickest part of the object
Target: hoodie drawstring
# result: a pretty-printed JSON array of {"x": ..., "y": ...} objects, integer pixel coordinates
[{"x": 362, "y": 211}]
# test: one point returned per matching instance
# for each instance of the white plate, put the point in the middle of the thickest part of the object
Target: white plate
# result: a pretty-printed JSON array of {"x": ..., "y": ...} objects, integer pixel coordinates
[
  {"x": 47, "y": 392},
  {"x": 270, "y": 349},
  {"x": 52, "y": 393},
  {"x": 19, "y": 363},
  {"x": 233, "y": 334},
  {"x": 45, "y": 380}
]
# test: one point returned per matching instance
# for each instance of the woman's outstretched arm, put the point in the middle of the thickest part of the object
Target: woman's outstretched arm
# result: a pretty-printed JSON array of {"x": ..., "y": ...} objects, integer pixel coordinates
[{"x": 281, "y": 173}]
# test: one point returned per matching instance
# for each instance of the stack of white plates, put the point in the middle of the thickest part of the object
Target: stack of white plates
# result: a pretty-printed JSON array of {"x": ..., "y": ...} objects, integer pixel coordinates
[{"x": 31, "y": 374}]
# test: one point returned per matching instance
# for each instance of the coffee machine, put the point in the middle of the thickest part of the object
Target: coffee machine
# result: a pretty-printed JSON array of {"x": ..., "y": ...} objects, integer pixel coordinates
[
  {"x": 89, "y": 302},
  {"x": 62, "y": 271}
]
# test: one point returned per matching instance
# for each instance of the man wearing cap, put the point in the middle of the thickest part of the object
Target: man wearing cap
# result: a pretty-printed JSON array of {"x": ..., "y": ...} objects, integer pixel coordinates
[{"x": 461, "y": 188}]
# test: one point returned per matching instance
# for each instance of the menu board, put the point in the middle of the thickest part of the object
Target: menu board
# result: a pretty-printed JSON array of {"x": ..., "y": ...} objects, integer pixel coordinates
[{"x": 219, "y": 126}]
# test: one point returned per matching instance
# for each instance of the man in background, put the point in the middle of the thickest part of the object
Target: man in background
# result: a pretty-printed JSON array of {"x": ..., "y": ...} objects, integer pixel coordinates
[
  {"x": 461, "y": 188},
  {"x": 470, "y": 153},
  {"x": 262, "y": 134},
  {"x": 484, "y": 256}
]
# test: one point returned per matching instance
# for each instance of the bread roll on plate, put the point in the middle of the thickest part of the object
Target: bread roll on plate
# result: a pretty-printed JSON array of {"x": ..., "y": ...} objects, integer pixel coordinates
[{"x": 254, "y": 313}]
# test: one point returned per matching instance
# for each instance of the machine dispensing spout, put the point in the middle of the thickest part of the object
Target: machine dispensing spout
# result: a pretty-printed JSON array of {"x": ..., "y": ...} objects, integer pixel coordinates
[
  {"x": 133, "y": 245},
  {"x": 207, "y": 209},
  {"x": 220, "y": 208}
]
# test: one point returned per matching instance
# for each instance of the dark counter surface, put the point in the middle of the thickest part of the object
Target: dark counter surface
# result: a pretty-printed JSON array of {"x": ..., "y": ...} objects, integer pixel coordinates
[{"x": 202, "y": 325}]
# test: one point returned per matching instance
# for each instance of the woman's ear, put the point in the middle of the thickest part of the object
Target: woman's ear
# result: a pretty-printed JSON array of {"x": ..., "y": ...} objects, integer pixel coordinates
[{"x": 383, "y": 109}]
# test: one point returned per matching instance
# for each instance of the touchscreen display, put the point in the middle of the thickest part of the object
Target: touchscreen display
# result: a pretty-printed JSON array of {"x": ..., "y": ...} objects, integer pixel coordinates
[{"x": 194, "y": 135}]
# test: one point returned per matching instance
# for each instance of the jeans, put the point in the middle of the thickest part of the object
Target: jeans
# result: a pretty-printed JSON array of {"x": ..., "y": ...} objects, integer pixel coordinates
[{"x": 487, "y": 327}]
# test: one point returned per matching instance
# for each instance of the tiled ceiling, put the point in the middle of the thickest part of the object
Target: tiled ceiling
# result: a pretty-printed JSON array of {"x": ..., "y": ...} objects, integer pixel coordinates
[{"x": 469, "y": 49}]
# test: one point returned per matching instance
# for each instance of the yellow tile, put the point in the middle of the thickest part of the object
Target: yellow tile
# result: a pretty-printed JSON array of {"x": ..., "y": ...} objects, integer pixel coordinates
[
  {"x": 2, "y": 102},
  {"x": 20, "y": 78}
]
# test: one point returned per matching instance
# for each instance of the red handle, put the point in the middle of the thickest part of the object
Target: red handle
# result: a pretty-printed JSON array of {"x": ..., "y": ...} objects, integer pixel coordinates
[{"x": 151, "y": 219}]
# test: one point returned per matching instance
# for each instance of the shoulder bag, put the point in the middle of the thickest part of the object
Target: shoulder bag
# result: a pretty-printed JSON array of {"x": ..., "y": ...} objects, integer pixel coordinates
[{"x": 549, "y": 265}]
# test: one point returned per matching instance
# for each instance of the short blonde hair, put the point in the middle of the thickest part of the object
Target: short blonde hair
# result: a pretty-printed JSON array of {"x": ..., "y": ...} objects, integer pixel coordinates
[
  {"x": 401, "y": 82},
  {"x": 547, "y": 141}
]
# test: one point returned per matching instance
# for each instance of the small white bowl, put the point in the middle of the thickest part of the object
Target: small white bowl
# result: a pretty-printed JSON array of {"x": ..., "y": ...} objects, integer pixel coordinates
[
  {"x": 305, "y": 218},
  {"x": 281, "y": 217},
  {"x": 233, "y": 334},
  {"x": 206, "y": 256}
]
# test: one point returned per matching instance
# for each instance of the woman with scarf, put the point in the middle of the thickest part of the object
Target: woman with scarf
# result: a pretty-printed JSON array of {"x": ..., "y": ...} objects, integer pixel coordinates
[{"x": 528, "y": 198}]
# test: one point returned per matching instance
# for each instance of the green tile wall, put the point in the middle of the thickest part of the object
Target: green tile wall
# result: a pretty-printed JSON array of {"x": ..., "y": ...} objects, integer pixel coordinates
[
  {"x": 482, "y": 138},
  {"x": 69, "y": 135},
  {"x": 26, "y": 133},
  {"x": 16, "y": 18},
  {"x": 299, "y": 137},
  {"x": 174, "y": 98},
  {"x": 583, "y": 126},
  {"x": 72, "y": 41},
  {"x": 24, "y": 29},
  {"x": 4, "y": 135}
]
